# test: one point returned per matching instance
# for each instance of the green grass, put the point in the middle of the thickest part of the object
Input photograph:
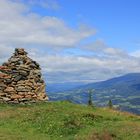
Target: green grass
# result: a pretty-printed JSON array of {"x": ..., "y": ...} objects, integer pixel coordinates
[{"x": 66, "y": 121}]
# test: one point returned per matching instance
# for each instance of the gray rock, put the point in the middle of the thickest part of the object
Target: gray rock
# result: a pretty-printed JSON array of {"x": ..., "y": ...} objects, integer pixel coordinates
[
  {"x": 14, "y": 102},
  {"x": 17, "y": 78},
  {"x": 23, "y": 89},
  {"x": 32, "y": 65},
  {"x": 24, "y": 99},
  {"x": 8, "y": 81},
  {"x": 20, "y": 80},
  {"x": 2, "y": 94},
  {"x": 6, "y": 99},
  {"x": 2, "y": 85},
  {"x": 23, "y": 73},
  {"x": 13, "y": 60}
]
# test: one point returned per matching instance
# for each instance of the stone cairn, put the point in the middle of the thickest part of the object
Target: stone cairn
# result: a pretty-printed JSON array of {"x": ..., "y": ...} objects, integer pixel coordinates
[{"x": 20, "y": 80}]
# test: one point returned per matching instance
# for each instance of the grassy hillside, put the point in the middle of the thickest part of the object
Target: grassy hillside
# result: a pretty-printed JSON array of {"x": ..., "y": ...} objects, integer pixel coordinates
[
  {"x": 66, "y": 121},
  {"x": 124, "y": 91}
]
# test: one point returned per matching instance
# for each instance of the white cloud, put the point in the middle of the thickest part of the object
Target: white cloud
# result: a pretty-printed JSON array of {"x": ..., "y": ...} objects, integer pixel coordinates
[
  {"x": 71, "y": 68},
  {"x": 100, "y": 48},
  {"x": 136, "y": 54},
  {"x": 19, "y": 27},
  {"x": 5, "y": 52},
  {"x": 49, "y": 4}
]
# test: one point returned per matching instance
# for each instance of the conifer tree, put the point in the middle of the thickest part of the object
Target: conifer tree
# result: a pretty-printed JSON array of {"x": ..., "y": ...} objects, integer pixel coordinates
[
  {"x": 110, "y": 105},
  {"x": 90, "y": 101}
]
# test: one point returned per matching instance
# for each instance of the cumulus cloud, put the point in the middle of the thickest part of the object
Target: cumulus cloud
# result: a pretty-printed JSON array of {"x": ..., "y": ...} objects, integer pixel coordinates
[
  {"x": 5, "y": 52},
  {"x": 19, "y": 27},
  {"x": 72, "y": 68},
  {"x": 136, "y": 54},
  {"x": 48, "y": 4},
  {"x": 100, "y": 48}
]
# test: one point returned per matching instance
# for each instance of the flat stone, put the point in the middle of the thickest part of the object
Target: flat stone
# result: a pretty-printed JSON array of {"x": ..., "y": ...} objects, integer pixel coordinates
[
  {"x": 2, "y": 94},
  {"x": 3, "y": 67},
  {"x": 32, "y": 65},
  {"x": 46, "y": 98},
  {"x": 24, "y": 99},
  {"x": 41, "y": 94},
  {"x": 14, "y": 102},
  {"x": 1, "y": 80},
  {"x": 23, "y": 89},
  {"x": 8, "y": 81},
  {"x": 42, "y": 97},
  {"x": 6, "y": 99},
  {"x": 4, "y": 76},
  {"x": 16, "y": 96},
  {"x": 34, "y": 96},
  {"x": 10, "y": 90},
  {"x": 32, "y": 81},
  {"x": 17, "y": 78},
  {"x": 20, "y": 51},
  {"x": 15, "y": 75},
  {"x": 22, "y": 93},
  {"x": 33, "y": 101},
  {"x": 14, "y": 71},
  {"x": 5, "y": 64},
  {"x": 23, "y": 73},
  {"x": 21, "y": 85},
  {"x": 21, "y": 82},
  {"x": 14, "y": 83},
  {"x": 14, "y": 59},
  {"x": 2, "y": 89},
  {"x": 36, "y": 64},
  {"x": 28, "y": 96},
  {"x": 8, "y": 95},
  {"x": 40, "y": 89},
  {"x": 29, "y": 84},
  {"x": 28, "y": 61},
  {"x": 24, "y": 68},
  {"x": 2, "y": 85},
  {"x": 30, "y": 93},
  {"x": 37, "y": 73}
]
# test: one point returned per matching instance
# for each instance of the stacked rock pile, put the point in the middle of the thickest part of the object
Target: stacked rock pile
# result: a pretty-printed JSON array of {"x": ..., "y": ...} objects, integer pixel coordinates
[{"x": 20, "y": 80}]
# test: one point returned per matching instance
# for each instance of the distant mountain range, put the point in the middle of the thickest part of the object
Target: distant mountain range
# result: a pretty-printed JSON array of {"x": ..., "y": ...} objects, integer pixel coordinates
[
  {"x": 61, "y": 87},
  {"x": 124, "y": 91}
]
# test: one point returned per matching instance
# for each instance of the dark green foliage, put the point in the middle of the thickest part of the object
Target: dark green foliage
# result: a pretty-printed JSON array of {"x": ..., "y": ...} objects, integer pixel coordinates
[
  {"x": 110, "y": 105},
  {"x": 90, "y": 102}
]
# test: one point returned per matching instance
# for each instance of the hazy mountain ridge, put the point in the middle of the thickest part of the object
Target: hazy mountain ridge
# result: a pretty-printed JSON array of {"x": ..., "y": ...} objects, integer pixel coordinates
[{"x": 124, "y": 91}]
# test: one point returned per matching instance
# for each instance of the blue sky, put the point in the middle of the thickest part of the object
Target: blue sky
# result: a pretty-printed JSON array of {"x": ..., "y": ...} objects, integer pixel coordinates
[
  {"x": 116, "y": 21},
  {"x": 74, "y": 40}
]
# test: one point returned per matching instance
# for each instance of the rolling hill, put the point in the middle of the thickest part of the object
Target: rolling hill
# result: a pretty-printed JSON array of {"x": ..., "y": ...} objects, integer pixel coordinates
[
  {"x": 124, "y": 91},
  {"x": 66, "y": 121}
]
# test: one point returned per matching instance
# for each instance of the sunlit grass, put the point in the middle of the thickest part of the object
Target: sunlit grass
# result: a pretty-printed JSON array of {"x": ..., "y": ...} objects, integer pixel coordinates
[{"x": 66, "y": 121}]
